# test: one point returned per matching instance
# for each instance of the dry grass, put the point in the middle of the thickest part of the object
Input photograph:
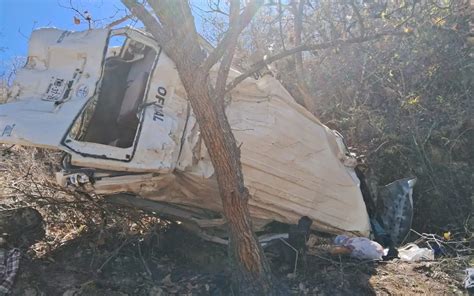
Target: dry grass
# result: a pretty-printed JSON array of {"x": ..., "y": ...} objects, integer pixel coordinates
[{"x": 94, "y": 248}]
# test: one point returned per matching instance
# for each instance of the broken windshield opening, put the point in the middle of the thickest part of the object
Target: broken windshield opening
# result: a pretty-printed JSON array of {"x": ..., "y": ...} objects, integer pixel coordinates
[{"x": 112, "y": 117}]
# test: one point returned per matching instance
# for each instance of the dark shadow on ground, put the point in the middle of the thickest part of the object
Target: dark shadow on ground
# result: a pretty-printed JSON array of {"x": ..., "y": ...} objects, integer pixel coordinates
[
  {"x": 175, "y": 262},
  {"x": 171, "y": 262}
]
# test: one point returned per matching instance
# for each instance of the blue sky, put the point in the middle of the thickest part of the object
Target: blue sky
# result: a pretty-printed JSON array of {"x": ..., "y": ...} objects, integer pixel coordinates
[{"x": 19, "y": 17}]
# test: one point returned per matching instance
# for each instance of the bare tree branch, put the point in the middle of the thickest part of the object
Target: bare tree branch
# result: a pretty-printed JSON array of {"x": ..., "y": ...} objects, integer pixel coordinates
[
  {"x": 226, "y": 62},
  {"x": 412, "y": 14},
  {"x": 177, "y": 22},
  {"x": 148, "y": 20},
  {"x": 119, "y": 21},
  {"x": 215, "y": 9},
  {"x": 307, "y": 47},
  {"x": 301, "y": 82},
  {"x": 359, "y": 18},
  {"x": 243, "y": 20},
  {"x": 176, "y": 15},
  {"x": 280, "y": 25},
  {"x": 82, "y": 15}
]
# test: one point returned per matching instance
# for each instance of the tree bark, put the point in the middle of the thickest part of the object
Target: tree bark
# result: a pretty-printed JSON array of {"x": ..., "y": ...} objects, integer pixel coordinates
[{"x": 252, "y": 275}]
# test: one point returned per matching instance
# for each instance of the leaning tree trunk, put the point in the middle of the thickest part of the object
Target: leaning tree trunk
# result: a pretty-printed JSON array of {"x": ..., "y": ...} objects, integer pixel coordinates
[
  {"x": 252, "y": 274},
  {"x": 177, "y": 35}
]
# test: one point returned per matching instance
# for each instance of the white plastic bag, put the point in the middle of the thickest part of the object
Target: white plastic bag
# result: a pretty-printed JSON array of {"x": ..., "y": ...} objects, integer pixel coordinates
[
  {"x": 361, "y": 247},
  {"x": 412, "y": 252},
  {"x": 469, "y": 280}
]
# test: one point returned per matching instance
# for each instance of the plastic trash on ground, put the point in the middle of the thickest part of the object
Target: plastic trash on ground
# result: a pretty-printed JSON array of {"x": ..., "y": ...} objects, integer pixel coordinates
[
  {"x": 395, "y": 210},
  {"x": 412, "y": 252},
  {"x": 469, "y": 280},
  {"x": 360, "y": 247}
]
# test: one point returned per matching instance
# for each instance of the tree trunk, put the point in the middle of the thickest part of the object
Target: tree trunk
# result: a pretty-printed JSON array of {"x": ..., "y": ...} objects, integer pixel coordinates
[
  {"x": 301, "y": 80},
  {"x": 251, "y": 272},
  {"x": 177, "y": 35}
]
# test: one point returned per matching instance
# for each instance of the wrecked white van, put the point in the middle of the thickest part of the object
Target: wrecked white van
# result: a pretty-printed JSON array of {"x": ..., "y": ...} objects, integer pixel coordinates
[{"x": 114, "y": 103}]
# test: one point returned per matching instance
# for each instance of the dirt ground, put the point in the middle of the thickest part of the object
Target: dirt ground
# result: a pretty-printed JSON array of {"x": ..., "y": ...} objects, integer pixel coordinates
[
  {"x": 174, "y": 262},
  {"x": 93, "y": 248}
]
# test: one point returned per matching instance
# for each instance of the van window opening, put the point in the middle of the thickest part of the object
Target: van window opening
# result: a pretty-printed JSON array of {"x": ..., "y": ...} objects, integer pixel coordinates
[{"x": 112, "y": 117}]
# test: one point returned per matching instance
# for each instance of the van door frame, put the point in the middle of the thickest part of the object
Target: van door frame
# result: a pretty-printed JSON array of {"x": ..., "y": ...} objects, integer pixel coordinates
[{"x": 114, "y": 153}]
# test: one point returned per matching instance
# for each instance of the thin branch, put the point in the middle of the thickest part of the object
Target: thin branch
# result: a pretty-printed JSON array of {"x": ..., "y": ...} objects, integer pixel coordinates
[
  {"x": 216, "y": 9},
  {"x": 226, "y": 62},
  {"x": 359, "y": 18},
  {"x": 177, "y": 21},
  {"x": 412, "y": 14},
  {"x": 280, "y": 25},
  {"x": 119, "y": 21},
  {"x": 176, "y": 17},
  {"x": 115, "y": 253},
  {"x": 306, "y": 47},
  {"x": 244, "y": 19},
  {"x": 148, "y": 20},
  {"x": 82, "y": 15},
  {"x": 303, "y": 87}
]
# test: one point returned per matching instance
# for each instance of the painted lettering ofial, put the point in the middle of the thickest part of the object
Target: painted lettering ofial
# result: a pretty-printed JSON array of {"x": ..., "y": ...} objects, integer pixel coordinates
[
  {"x": 159, "y": 104},
  {"x": 7, "y": 131}
]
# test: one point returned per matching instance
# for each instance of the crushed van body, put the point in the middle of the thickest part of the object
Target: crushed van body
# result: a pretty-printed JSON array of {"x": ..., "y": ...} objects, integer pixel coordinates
[{"x": 113, "y": 102}]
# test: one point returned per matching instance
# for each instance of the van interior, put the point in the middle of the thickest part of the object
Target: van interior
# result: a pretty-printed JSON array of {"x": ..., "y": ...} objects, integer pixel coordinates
[{"x": 112, "y": 117}]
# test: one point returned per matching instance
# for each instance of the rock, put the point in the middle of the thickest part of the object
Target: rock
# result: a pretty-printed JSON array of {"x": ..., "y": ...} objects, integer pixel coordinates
[{"x": 21, "y": 227}]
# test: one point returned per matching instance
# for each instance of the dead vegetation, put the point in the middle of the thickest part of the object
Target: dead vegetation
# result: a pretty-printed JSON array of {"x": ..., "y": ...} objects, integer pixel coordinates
[
  {"x": 404, "y": 104},
  {"x": 94, "y": 248}
]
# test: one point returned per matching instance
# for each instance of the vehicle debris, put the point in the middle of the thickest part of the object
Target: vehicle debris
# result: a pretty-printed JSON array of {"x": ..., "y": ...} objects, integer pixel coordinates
[
  {"x": 358, "y": 247},
  {"x": 395, "y": 209},
  {"x": 121, "y": 116},
  {"x": 412, "y": 252},
  {"x": 469, "y": 280}
]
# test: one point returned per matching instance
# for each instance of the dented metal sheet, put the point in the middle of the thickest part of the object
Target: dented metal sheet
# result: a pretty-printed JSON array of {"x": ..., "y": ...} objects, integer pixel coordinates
[
  {"x": 58, "y": 79},
  {"x": 293, "y": 164}
]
